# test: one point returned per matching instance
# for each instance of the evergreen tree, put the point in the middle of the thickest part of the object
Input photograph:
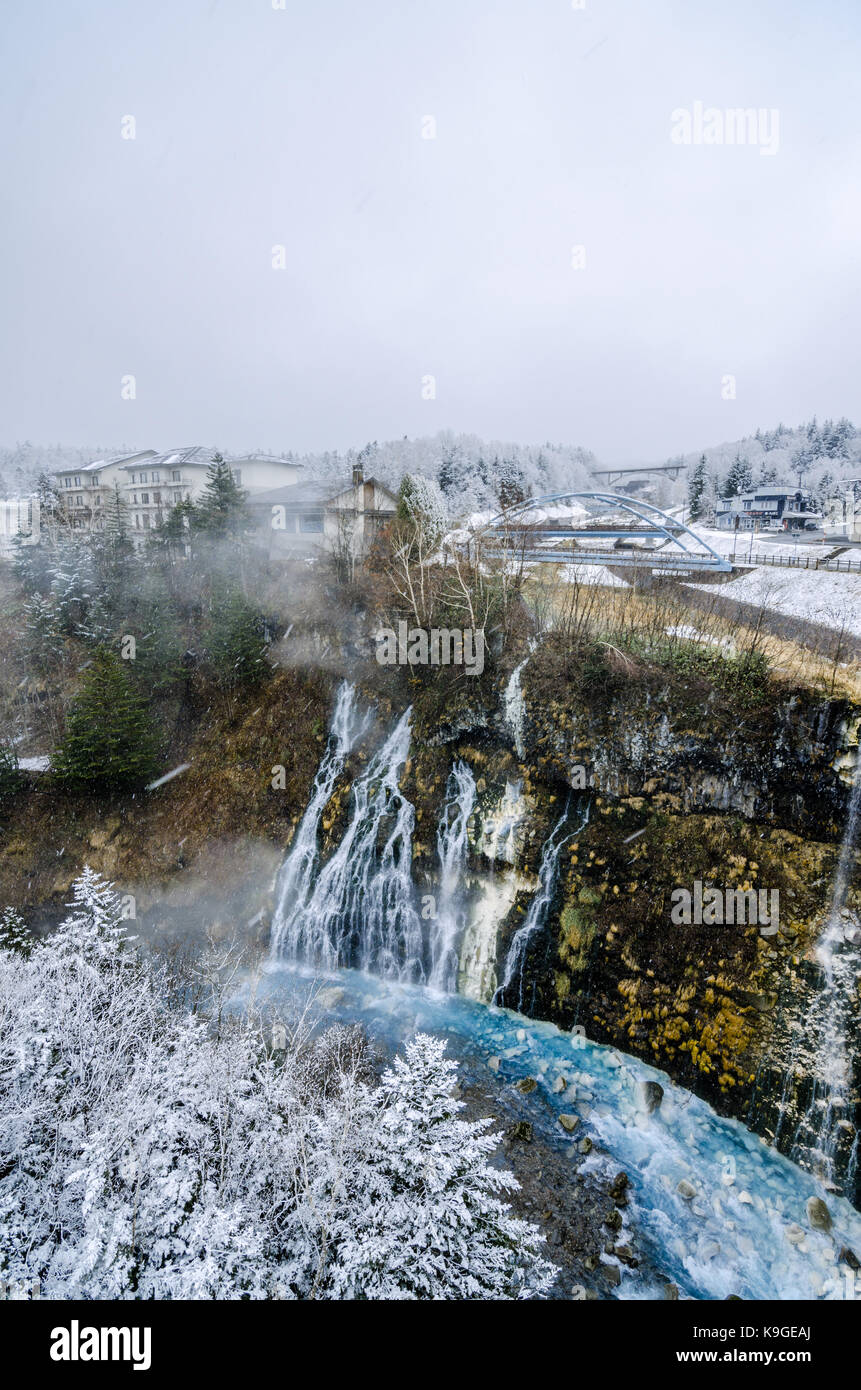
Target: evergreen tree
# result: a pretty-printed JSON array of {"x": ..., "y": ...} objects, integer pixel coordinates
[
  {"x": 698, "y": 482},
  {"x": 419, "y": 1212},
  {"x": 10, "y": 777},
  {"x": 109, "y": 741},
  {"x": 221, "y": 509},
  {"x": 14, "y": 934},
  {"x": 236, "y": 641},
  {"x": 43, "y": 640},
  {"x": 739, "y": 478},
  {"x": 160, "y": 648}
]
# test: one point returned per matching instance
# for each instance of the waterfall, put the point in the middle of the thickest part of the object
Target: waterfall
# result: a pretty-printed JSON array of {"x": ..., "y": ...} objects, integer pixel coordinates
[
  {"x": 827, "y": 1118},
  {"x": 514, "y": 708},
  {"x": 452, "y": 845},
  {"x": 360, "y": 911},
  {"x": 538, "y": 908},
  {"x": 297, "y": 871}
]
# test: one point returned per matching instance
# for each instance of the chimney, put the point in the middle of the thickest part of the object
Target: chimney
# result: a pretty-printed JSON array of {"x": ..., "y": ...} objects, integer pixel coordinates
[{"x": 358, "y": 475}]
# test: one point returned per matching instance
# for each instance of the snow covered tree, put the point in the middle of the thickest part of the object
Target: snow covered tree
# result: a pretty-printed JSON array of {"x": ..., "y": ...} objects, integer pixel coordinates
[
  {"x": 144, "y": 1154},
  {"x": 14, "y": 934},
  {"x": 43, "y": 641},
  {"x": 739, "y": 478},
  {"x": 421, "y": 505},
  {"x": 109, "y": 741},
  {"x": 416, "y": 1206},
  {"x": 698, "y": 483}
]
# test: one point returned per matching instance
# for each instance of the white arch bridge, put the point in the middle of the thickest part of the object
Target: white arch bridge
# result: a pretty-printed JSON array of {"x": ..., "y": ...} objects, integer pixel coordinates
[{"x": 645, "y": 538}]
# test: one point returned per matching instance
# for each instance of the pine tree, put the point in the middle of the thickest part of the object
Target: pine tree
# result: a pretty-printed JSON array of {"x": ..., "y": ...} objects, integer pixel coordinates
[
  {"x": 221, "y": 509},
  {"x": 10, "y": 777},
  {"x": 739, "y": 478},
  {"x": 109, "y": 741},
  {"x": 14, "y": 934},
  {"x": 419, "y": 1213},
  {"x": 698, "y": 488},
  {"x": 236, "y": 641}
]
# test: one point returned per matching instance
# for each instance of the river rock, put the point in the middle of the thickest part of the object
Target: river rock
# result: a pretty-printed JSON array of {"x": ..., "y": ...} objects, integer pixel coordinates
[
  {"x": 330, "y": 998},
  {"x": 559, "y": 1085},
  {"x": 848, "y": 1257},
  {"x": 569, "y": 1122},
  {"x": 522, "y": 1131},
  {"x": 794, "y": 1234},
  {"x": 686, "y": 1189},
  {"x": 526, "y": 1085},
  {"x": 585, "y": 1146},
  {"x": 745, "y": 1199},
  {"x": 613, "y": 1274},
  {"x": 653, "y": 1094},
  {"x": 818, "y": 1214},
  {"x": 617, "y": 1188}
]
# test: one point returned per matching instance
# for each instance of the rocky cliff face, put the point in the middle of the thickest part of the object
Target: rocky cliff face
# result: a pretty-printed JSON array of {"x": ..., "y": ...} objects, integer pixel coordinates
[{"x": 676, "y": 795}]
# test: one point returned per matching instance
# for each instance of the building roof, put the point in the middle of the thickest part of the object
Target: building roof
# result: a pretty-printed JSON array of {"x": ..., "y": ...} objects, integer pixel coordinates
[
  {"x": 193, "y": 456},
  {"x": 118, "y": 460}
]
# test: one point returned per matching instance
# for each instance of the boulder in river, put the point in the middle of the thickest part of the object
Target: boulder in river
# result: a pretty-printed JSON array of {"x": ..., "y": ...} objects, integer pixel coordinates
[
  {"x": 818, "y": 1214},
  {"x": 569, "y": 1122},
  {"x": 686, "y": 1189},
  {"x": 653, "y": 1094}
]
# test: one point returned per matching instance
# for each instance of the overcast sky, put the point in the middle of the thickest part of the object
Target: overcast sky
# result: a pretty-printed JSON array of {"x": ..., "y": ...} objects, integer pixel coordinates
[{"x": 409, "y": 257}]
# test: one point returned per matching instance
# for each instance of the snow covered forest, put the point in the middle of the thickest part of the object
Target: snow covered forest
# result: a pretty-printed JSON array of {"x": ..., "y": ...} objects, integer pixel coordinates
[
  {"x": 474, "y": 474},
  {"x": 151, "y": 1152}
]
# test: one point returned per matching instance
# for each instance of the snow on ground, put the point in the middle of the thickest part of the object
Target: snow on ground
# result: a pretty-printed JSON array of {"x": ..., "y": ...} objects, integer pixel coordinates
[
  {"x": 34, "y": 764},
  {"x": 818, "y": 596}
]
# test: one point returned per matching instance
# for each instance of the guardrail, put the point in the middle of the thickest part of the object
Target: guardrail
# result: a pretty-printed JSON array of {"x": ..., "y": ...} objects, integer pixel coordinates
[{"x": 802, "y": 562}]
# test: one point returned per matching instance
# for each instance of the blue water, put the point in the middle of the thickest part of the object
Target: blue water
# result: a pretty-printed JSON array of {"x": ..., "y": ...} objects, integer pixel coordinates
[{"x": 731, "y": 1238}]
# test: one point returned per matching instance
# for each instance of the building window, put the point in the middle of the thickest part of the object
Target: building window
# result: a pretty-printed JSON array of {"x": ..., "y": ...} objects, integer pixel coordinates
[
  {"x": 175, "y": 476},
  {"x": 237, "y": 476},
  {"x": 155, "y": 477},
  {"x": 144, "y": 499},
  {"x": 311, "y": 525},
  {"x": 177, "y": 494},
  {"x": 141, "y": 477},
  {"x": 156, "y": 497}
]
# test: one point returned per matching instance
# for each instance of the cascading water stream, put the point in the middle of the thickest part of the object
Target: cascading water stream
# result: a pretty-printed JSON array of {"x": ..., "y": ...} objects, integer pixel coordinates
[
  {"x": 838, "y": 953},
  {"x": 513, "y": 706},
  {"x": 297, "y": 871},
  {"x": 360, "y": 911},
  {"x": 538, "y": 908},
  {"x": 452, "y": 846}
]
